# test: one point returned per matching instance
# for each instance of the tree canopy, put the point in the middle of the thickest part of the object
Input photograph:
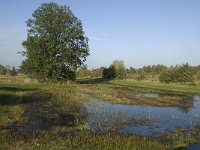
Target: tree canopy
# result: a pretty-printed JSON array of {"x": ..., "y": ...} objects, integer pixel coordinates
[
  {"x": 116, "y": 70},
  {"x": 182, "y": 73},
  {"x": 55, "y": 44},
  {"x": 120, "y": 69}
]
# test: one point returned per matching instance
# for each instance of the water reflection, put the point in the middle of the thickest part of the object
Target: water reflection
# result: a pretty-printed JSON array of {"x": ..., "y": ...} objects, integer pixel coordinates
[
  {"x": 188, "y": 104},
  {"x": 147, "y": 95},
  {"x": 140, "y": 119}
]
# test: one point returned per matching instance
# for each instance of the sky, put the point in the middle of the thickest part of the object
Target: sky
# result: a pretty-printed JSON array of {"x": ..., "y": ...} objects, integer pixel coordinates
[{"x": 139, "y": 32}]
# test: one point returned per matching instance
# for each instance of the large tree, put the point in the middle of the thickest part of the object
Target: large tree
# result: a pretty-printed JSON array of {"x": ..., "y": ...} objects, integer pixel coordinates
[{"x": 55, "y": 44}]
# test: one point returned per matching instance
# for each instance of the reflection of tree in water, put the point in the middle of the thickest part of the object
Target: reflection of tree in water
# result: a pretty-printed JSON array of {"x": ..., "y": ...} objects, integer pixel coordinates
[{"x": 186, "y": 104}]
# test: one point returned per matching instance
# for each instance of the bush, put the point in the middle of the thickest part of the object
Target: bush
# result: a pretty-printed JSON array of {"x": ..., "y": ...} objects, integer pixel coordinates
[
  {"x": 119, "y": 68},
  {"x": 165, "y": 77},
  {"x": 141, "y": 75},
  {"x": 185, "y": 74},
  {"x": 3, "y": 71},
  {"x": 109, "y": 73},
  {"x": 13, "y": 72}
]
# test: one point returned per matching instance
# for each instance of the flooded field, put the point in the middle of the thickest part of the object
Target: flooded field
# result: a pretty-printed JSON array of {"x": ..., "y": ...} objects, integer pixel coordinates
[
  {"x": 104, "y": 117},
  {"x": 113, "y": 117}
]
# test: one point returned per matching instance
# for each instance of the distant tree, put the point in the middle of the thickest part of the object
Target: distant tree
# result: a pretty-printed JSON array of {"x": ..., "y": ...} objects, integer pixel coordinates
[
  {"x": 141, "y": 75},
  {"x": 185, "y": 74},
  {"x": 166, "y": 77},
  {"x": 198, "y": 75},
  {"x": 8, "y": 67},
  {"x": 13, "y": 71},
  {"x": 96, "y": 73},
  {"x": 3, "y": 70},
  {"x": 158, "y": 69},
  {"x": 83, "y": 72},
  {"x": 55, "y": 46},
  {"x": 120, "y": 69},
  {"x": 116, "y": 70},
  {"x": 109, "y": 73},
  {"x": 182, "y": 73},
  {"x": 132, "y": 70},
  {"x": 83, "y": 67}
]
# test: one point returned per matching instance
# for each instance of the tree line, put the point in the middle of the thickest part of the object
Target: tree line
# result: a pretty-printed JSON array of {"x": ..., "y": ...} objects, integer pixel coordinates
[
  {"x": 7, "y": 70},
  {"x": 117, "y": 70}
]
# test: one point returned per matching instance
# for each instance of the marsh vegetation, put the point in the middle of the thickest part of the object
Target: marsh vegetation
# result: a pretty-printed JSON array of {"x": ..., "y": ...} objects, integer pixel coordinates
[
  {"x": 90, "y": 114},
  {"x": 52, "y": 116}
]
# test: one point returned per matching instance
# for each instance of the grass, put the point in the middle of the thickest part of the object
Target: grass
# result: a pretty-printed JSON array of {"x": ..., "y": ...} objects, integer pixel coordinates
[
  {"x": 16, "y": 79},
  {"x": 180, "y": 138},
  {"x": 161, "y": 86},
  {"x": 11, "y": 100},
  {"x": 132, "y": 95},
  {"x": 49, "y": 141},
  {"x": 51, "y": 116}
]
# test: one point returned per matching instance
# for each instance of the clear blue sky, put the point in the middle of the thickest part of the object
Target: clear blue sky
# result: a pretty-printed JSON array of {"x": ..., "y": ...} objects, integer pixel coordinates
[{"x": 140, "y": 32}]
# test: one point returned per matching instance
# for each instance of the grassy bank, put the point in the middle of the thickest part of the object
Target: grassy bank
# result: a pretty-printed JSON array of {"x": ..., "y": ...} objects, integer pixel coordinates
[
  {"x": 114, "y": 92},
  {"x": 49, "y": 141},
  {"x": 160, "y": 86}
]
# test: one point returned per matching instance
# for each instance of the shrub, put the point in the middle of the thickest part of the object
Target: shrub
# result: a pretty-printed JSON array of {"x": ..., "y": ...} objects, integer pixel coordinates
[
  {"x": 13, "y": 71},
  {"x": 119, "y": 68},
  {"x": 109, "y": 73}
]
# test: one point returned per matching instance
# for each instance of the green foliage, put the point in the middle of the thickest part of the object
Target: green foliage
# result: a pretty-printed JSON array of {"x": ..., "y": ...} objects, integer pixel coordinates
[
  {"x": 120, "y": 69},
  {"x": 132, "y": 70},
  {"x": 156, "y": 85},
  {"x": 84, "y": 141},
  {"x": 182, "y": 73},
  {"x": 13, "y": 71},
  {"x": 165, "y": 77},
  {"x": 185, "y": 74},
  {"x": 3, "y": 70},
  {"x": 149, "y": 73},
  {"x": 116, "y": 70},
  {"x": 83, "y": 72},
  {"x": 198, "y": 75},
  {"x": 55, "y": 45},
  {"x": 109, "y": 73},
  {"x": 141, "y": 75}
]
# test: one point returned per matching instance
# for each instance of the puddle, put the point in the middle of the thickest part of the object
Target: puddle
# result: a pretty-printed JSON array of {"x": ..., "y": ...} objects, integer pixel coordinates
[
  {"x": 193, "y": 147},
  {"x": 147, "y": 95},
  {"x": 146, "y": 120}
]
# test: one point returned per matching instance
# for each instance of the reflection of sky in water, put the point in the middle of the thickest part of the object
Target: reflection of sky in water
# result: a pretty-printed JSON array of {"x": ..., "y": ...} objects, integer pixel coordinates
[
  {"x": 147, "y": 95},
  {"x": 194, "y": 147},
  {"x": 140, "y": 119}
]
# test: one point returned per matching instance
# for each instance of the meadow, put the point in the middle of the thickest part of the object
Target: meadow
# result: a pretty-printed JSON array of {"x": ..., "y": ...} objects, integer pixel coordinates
[{"x": 53, "y": 115}]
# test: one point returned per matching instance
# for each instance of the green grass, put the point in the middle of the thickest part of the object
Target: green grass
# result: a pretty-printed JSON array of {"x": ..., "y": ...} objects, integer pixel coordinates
[
  {"x": 48, "y": 141},
  {"x": 10, "y": 97},
  {"x": 129, "y": 95},
  {"x": 2, "y": 111},
  {"x": 159, "y": 86}
]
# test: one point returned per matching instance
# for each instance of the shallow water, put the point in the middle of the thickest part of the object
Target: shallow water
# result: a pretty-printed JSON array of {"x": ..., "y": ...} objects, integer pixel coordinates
[
  {"x": 146, "y": 120},
  {"x": 148, "y": 95},
  {"x": 193, "y": 147}
]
